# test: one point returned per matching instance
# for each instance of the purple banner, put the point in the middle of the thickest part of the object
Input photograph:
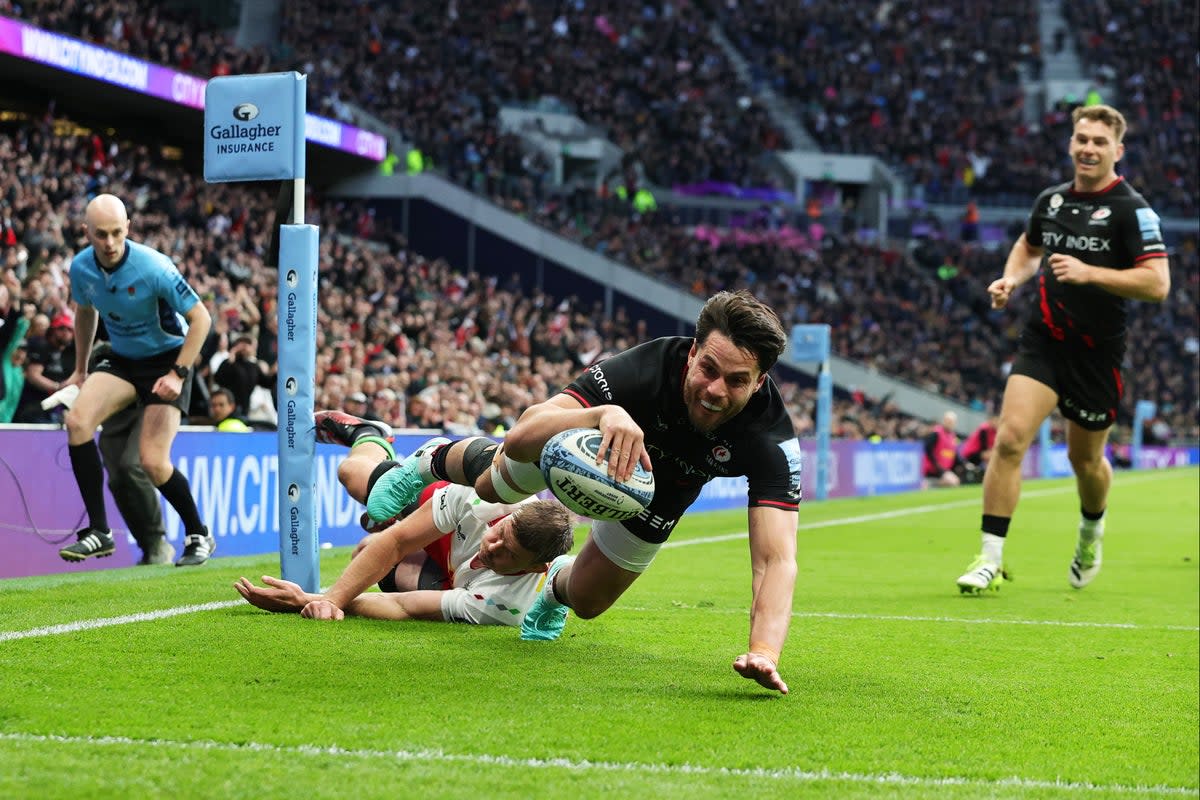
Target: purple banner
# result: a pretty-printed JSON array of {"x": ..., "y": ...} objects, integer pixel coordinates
[
  {"x": 234, "y": 479},
  {"x": 40, "y": 508},
  {"x": 91, "y": 61},
  {"x": 856, "y": 469},
  {"x": 709, "y": 188}
]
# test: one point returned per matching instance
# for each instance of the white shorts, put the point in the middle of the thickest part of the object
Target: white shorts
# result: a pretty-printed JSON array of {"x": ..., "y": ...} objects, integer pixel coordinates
[{"x": 623, "y": 548}]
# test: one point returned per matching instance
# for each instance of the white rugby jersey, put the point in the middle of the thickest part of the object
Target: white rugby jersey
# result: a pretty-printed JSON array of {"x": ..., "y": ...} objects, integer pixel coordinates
[{"x": 480, "y": 596}]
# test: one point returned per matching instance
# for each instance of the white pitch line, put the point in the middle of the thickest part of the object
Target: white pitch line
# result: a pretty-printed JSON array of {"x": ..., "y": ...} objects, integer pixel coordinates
[
  {"x": 1133, "y": 626},
  {"x": 149, "y": 616},
  {"x": 899, "y": 512},
  {"x": 572, "y": 765},
  {"x": 104, "y": 622}
]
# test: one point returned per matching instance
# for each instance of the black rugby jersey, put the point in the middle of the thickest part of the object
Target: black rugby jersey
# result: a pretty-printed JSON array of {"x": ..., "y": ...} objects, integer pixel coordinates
[
  {"x": 1114, "y": 228},
  {"x": 760, "y": 443}
]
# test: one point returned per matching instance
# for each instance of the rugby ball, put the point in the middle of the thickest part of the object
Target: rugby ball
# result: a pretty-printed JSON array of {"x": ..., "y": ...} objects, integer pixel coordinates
[{"x": 569, "y": 466}]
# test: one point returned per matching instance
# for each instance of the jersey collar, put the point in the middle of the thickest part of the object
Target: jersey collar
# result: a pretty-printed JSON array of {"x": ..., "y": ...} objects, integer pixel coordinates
[
  {"x": 115, "y": 267},
  {"x": 1075, "y": 192}
]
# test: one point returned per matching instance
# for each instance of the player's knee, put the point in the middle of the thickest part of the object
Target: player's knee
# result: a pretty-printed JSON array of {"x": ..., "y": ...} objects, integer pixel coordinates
[
  {"x": 346, "y": 473},
  {"x": 483, "y": 488},
  {"x": 157, "y": 470},
  {"x": 1011, "y": 444},
  {"x": 79, "y": 428},
  {"x": 1086, "y": 463}
]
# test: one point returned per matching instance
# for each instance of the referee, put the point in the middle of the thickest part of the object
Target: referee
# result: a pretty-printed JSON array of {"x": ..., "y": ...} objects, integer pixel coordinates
[{"x": 156, "y": 324}]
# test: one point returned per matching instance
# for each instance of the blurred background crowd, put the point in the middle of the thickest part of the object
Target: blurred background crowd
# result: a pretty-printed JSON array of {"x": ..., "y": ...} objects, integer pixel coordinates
[{"x": 930, "y": 88}]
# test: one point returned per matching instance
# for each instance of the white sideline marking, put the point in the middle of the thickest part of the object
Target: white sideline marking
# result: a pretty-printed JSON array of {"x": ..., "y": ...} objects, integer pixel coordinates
[
  {"x": 1133, "y": 626},
  {"x": 149, "y": 616},
  {"x": 570, "y": 765},
  {"x": 899, "y": 512},
  {"x": 104, "y": 622}
]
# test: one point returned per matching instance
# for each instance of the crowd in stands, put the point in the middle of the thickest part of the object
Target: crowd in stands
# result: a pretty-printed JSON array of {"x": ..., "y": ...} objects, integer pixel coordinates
[
  {"x": 888, "y": 79},
  {"x": 401, "y": 338},
  {"x": 1147, "y": 53},
  {"x": 438, "y": 74},
  {"x": 932, "y": 88},
  {"x": 650, "y": 76}
]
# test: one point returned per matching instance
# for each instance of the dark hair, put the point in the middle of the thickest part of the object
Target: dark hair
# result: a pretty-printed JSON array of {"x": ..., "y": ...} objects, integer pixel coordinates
[
  {"x": 228, "y": 395},
  {"x": 544, "y": 528},
  {"x": 1106, "y": 115},
  {"x": 750, "y": 324}
]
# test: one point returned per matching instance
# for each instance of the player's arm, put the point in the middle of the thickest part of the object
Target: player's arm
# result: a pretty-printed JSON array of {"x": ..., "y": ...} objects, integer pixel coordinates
[
  {"x": 1022, "y": 264},
  {"x": 199, "y": 323},
  {"x": 1149, "y": 280},
  {"x": 539, "y": 422},
  {"x": 425, "y": 604},
  {"x": 381, "y": 553},
  {"x": 85, "y": 333},
  {"x": 773, "y": 563}
]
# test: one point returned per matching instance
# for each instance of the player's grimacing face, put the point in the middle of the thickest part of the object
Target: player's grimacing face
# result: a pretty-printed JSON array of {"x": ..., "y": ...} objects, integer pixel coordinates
[
  {"x": 502, "y": 553},
  {"x": 719, "y": 382}
]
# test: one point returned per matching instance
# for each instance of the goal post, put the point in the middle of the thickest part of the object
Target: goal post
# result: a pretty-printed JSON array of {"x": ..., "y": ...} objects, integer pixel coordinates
[{"x": 254, "y": 130}]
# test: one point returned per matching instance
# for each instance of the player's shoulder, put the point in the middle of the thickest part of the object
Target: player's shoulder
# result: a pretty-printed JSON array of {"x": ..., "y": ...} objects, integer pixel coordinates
[
  {"x": 1047, "y": 197},
  {"x": 1124, "y": 193},
  {"x": 84, "y": 261},
  {"x": 638, "y": 373},
  {"x": 663, "y": 349},
  {"x": 145, "y": 255}
]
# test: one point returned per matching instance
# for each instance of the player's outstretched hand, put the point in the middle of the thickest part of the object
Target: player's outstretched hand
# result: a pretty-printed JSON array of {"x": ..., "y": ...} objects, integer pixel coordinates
[
  {"x": 277, "y": 595},
  {"x": 757, "y": 667},
  {"x": 322, "y": 609}
]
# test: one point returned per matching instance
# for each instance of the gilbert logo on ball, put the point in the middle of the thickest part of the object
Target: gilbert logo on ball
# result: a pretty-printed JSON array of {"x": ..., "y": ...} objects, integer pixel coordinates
[{"x": 569, "y": 466}]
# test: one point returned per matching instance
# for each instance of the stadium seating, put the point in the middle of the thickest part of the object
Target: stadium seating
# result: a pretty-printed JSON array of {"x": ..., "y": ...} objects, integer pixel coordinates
[{"x": 866, "y": 292}]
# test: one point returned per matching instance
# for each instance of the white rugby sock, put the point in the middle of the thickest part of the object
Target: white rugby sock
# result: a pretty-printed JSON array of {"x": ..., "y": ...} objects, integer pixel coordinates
[
  {"x": 1091, "y": 529},
  {"x": 993, "y": 548},
  {"x": 548, "y": 593}
]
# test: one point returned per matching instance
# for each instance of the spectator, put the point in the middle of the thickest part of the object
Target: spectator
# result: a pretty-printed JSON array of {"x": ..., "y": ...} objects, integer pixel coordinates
[
  {"x": 241, "y": 372},
  {"x": 941, "y": 453},
  {"x": 221, "y": 413},
  {"x": 49, "y": 362}
]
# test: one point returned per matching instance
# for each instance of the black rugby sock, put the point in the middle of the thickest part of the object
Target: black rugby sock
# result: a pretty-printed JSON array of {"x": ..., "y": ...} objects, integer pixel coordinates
[
  {"x": 179, "y": 494},
  {"x": 89, "y": 474}
]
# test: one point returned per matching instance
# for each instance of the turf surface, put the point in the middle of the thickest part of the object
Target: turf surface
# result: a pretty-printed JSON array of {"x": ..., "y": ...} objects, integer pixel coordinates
[{"x": 900, "y": 687}]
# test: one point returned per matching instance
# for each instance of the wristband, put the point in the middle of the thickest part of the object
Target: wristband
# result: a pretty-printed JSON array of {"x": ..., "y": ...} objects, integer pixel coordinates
[{"x": 765, "y": 650}]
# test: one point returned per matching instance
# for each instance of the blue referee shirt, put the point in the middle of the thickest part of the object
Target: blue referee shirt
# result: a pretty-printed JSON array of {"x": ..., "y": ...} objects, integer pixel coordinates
[{"x": 142, "y": 300}]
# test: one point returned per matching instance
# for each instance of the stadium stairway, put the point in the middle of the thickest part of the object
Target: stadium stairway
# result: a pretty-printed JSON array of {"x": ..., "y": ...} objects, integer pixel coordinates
[
  {"x": 665, "y": 299},
  {"x": 780, "y": 111},
  {"x": 1063, "y": 74}
]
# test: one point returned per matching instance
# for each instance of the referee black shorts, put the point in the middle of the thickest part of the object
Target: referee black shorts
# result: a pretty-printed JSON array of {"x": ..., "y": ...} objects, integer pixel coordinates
[
  {"x": 1088, "y": 381},
  {"x": 143, "y": 373}
]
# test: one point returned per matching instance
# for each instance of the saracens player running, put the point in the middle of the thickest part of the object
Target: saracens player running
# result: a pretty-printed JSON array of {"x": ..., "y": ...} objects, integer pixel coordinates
[
  {"x": 1096, "y": 242},
  {"x": 691, "y": 410}
]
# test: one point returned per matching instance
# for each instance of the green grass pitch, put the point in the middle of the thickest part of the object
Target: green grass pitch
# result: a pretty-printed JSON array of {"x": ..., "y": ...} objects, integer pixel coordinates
[{"x": 161, "y": 682}]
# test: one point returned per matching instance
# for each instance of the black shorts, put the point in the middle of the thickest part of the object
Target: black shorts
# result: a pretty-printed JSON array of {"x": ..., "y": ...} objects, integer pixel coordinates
[
  {"x": 1088, "y": 381},
  {"x": 143, "y": 373}
]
